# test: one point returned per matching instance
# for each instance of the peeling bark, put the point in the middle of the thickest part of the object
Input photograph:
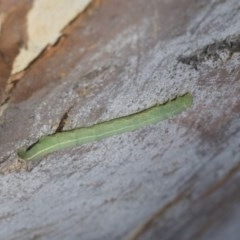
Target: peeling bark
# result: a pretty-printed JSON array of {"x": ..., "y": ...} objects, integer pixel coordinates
[{"x": 176, "y": 180}]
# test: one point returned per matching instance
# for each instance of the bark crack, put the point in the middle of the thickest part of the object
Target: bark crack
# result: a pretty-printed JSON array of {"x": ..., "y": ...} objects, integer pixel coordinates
[
  {"x": 218, "y": 51},
  {"x": 63, "y": 120}
]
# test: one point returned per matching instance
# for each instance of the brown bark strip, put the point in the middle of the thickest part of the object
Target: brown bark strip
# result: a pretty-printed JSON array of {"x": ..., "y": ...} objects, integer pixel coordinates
[{"x": 12, "y": 37}]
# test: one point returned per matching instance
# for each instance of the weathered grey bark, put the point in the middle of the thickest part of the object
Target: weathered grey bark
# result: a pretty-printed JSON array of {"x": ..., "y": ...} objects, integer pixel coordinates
[{"x": 176, "y": 180}]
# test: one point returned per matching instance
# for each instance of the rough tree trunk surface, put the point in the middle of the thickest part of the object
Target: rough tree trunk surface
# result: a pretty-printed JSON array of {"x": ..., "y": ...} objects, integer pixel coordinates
[{"x": 178, "y": 179}]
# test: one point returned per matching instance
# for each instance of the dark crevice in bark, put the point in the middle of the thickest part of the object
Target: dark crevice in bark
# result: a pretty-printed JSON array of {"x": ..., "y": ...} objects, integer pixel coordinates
[
  {"x": 63, "y": 120},
  {"x": 212, "y": 52}
]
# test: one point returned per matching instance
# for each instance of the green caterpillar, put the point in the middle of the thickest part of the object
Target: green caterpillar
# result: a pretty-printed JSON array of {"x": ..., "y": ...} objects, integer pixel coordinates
[{"x": 97, "y": 132}]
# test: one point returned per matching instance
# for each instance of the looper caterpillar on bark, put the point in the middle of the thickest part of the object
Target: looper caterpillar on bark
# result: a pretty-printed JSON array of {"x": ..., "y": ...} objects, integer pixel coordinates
[{"x": 97, "y": 132}]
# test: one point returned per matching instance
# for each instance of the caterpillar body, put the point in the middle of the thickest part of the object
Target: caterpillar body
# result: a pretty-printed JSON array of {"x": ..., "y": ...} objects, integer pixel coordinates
[{"x": 97, "y": 132}]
